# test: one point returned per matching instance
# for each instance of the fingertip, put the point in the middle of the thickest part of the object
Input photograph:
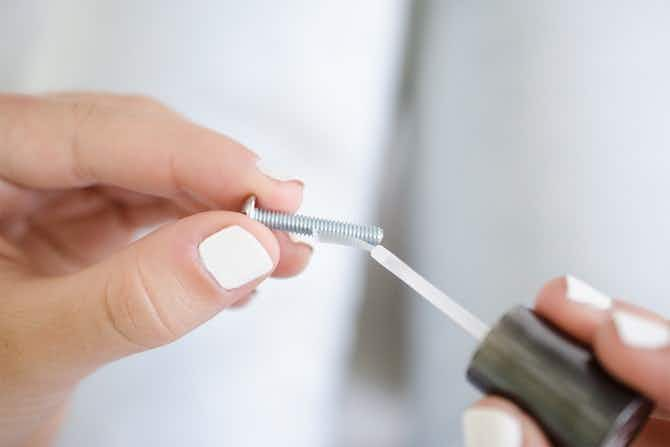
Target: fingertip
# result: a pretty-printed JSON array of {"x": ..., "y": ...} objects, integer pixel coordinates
[
  {"x": 276, "y": 172},
  {"x": 198, "y": 227},
  {"x": 264, "y": 235},
  {"x": 575, "y": 307},
  {"x": 551, "y": 296},
  {"x": 494, "y": 421},
  {"x": 242, "y": 302},
  {"x": 228, "y": 253},
  {"x": 285, "y": 196},
  {"x": 278, "y": 188},
  {"x": 294, "y": 255},
  {"x": 499, "y": 403}
]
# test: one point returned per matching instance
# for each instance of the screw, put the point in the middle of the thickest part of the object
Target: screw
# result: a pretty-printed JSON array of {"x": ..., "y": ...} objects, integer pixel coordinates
[{"x": 322, "y": 229}]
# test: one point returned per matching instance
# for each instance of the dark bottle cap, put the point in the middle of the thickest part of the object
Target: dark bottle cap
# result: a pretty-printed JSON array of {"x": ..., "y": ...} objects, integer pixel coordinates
[{"x": 557, "y": 381}]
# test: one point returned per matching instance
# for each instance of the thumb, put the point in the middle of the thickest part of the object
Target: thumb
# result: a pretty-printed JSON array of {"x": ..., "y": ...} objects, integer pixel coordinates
[{"x": 149, "y": 294}]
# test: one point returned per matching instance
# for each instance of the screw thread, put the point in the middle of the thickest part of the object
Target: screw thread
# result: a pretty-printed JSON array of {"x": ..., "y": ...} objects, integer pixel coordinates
[{"x": 314, "y": 226}]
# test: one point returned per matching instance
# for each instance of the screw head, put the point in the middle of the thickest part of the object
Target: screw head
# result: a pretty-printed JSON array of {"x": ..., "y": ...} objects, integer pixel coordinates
[{"x": 249, "y": 206}]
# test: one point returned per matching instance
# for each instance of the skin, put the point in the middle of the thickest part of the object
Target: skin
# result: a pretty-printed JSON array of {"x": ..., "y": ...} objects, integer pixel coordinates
[
  {"x": 80, "y": 174},
  {"x": 648, "y": 371}
]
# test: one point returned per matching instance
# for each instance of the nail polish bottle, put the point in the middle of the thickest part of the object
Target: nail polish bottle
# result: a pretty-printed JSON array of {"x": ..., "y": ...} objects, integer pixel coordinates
[{"x": 558, "y": 381}]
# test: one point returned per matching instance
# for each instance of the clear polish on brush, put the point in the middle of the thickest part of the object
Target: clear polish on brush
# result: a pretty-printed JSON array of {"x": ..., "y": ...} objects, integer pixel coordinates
[{"x": 461, "y": 316}]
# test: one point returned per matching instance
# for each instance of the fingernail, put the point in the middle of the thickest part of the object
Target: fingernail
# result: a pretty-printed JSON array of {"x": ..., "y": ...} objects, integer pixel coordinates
[
  {"x": 275, "y": 172},
  {"x": 640, "y": 332},
  {"x": 300, "y": 239},
  {"x": 488, "y": 427},
  {"x": 234, "y": 257},
  {"x": 580, "y": 292}
]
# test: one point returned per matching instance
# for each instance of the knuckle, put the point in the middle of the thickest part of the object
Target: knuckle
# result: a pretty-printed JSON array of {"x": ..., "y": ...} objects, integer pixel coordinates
[
  {"x": 553, "y": 288},
  {"x": 134, "y": 312}
]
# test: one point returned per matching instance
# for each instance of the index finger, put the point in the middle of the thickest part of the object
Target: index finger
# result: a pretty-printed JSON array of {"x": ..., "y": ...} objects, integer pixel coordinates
[{"x": 76, "y": 141}]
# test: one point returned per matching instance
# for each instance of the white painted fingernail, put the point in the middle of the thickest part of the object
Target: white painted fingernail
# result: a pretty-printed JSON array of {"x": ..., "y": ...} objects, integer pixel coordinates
[
  {"x": 275, "y": 172},
  {"x": 640, "y": 332},
  {"x": 300, "y": 239},
  {"x": 580, "y": 292},
  {"x": 488, "y": 427},
  {"x": 234, "y": 257}
]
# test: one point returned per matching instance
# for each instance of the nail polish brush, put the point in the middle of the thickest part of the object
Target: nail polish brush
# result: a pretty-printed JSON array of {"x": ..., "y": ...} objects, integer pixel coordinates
[{"x": 523, "y": 357}]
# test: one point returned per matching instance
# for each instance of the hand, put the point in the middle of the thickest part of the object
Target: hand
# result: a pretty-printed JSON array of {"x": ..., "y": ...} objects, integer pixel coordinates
[
  {"x": 633, "y": 344},
  {"x": 79, "y": 175}
]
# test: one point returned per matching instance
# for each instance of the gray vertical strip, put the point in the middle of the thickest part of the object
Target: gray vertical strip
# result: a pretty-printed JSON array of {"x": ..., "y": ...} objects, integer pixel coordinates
[{"x": 380, "y": 353}]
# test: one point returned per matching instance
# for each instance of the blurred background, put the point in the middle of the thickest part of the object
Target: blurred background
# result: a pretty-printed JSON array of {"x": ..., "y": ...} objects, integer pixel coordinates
[{"x": 498, "y": 143}]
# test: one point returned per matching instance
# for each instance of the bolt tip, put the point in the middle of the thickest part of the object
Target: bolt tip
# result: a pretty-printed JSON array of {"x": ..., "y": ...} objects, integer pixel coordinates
[{"x": 375, "y": 235}]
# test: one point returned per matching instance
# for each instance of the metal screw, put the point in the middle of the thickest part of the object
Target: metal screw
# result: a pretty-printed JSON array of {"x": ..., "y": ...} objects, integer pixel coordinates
[{"x": 322, "y": 229}]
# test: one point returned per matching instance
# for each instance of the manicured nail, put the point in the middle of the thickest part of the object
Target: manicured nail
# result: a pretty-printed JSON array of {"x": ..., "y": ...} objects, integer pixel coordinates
[
  {"x": 275, "y": 172},
  {"x": 234, "y": 257},
  {"x": 488, "y": 427},
  {"x": 580, "y": 292},
  {"x": 640, "y": 332},
  {"x": 300, "y": 239}
]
